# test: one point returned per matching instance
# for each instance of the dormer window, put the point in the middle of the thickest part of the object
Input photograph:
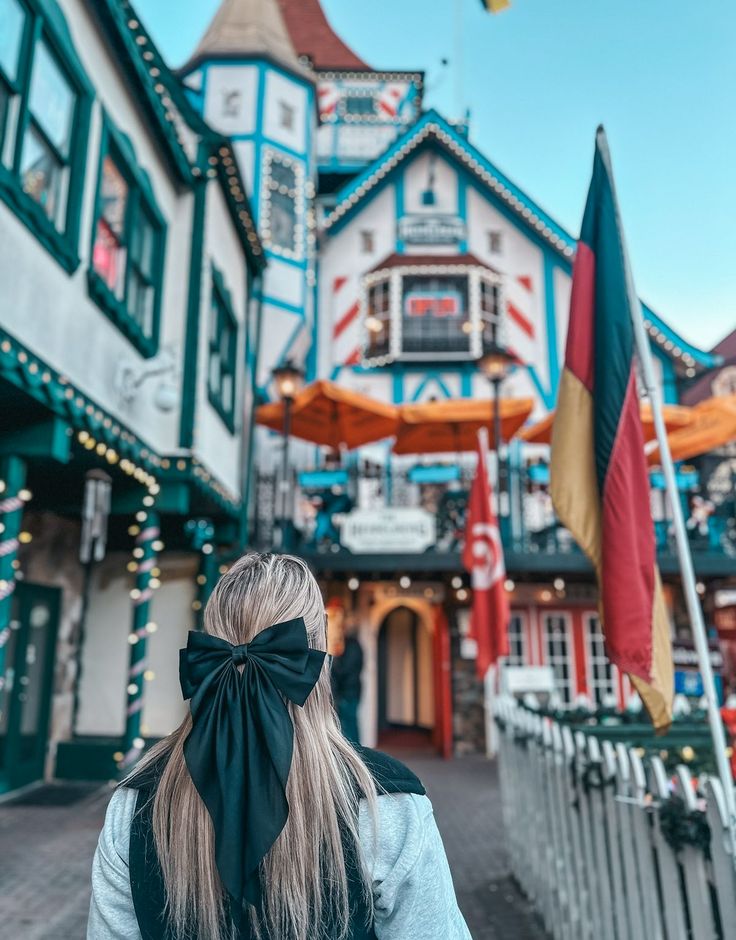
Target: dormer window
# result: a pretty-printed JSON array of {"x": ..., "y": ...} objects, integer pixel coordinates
[
  {"x": 358, "y": 104},
  {"x": 430, "y": 308}
]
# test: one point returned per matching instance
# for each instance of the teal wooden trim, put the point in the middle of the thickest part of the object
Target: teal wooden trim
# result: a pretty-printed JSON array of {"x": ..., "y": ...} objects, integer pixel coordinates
[
  {"x": 227, "y": 321},
  {"x": 462, "y": 207},
  {"x": 141, "y": 203},
  {"x": 49, "y": 439},
  {"x": 138, "y": 55},
  {"x": 194, "y": 304},
  {"x": 399, "y": 209},
  {"x": 46, "y": 23},
  {"x": 550, "y": 315},
  {"x": 35, "y": 377}
]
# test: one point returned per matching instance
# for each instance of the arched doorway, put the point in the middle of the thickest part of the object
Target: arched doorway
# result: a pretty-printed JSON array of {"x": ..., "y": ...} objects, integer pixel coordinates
[{"x": 405, "y": 706}]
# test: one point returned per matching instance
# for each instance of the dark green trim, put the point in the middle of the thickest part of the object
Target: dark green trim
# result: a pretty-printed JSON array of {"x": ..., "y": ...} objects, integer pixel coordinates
[
  {"x": 141, "y": 201},
  {"x": 46, "y": 22},
  {"x": 50, "y": 439},
  {"x": 24, "y": 759},
  {"x": 194, "y": 304},
  {"x": 221, "y": 306},
  {"x": 178, "y": 469},
  {"x": 28, "y": 372},
  {"x": 114, "y": 16},
  {"x": 252, "y": 351}
]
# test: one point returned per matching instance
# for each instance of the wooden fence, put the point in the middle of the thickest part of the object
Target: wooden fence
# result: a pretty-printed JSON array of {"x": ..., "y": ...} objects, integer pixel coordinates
[{"x": 607, "y": 843}]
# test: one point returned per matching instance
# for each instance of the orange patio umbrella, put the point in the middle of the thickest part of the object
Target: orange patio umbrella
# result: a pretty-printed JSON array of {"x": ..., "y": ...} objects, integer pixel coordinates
[
  {"x": 452, "y": 426},
  {"x": 333, "y": 416},
  {"x": 712, "y": 425},
  {"x": 675, "y": 416}
]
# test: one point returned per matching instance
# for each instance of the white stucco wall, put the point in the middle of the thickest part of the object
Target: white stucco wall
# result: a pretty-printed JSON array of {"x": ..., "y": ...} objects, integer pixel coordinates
[
  {"x": 214, "y": 444},
  {"x": 51, "y": 312}
]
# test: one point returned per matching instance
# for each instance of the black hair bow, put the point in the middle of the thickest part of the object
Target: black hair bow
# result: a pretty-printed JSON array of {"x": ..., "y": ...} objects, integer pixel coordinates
[{"x": 240, "y": 747}]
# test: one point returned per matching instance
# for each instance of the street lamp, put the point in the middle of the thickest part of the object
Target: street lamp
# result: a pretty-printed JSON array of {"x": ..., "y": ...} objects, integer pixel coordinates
[
  {"x": 288, "y": 379},
  {"x": 495, "y": 364}
]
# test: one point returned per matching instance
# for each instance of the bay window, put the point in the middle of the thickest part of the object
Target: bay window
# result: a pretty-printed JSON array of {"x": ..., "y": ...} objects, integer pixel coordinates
[
  {"x": 44, "y": 111},
  {"x": 439, "y": 309},
  {"x": 128, "y": 244}
]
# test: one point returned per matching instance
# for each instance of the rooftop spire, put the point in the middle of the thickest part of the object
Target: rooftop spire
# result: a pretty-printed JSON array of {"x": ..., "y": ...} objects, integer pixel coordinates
[
  {"x": 313, "y": 36},
  {"x": 243, "y": 28}
]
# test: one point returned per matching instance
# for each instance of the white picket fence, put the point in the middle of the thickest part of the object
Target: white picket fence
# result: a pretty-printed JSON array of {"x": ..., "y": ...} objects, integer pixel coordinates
[{"x": 586, "y": 841}]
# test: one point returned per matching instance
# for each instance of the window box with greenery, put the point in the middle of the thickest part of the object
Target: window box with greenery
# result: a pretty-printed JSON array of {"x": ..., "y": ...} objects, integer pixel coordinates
[
  {"x": 128, "y": 240},
  {"x": 45, "y": 101},
  {"x": 223, "y": 352}
]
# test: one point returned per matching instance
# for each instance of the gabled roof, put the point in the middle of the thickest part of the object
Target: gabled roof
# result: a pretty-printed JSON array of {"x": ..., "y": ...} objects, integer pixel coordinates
[
  {"x": 249, "y": 29},
  {"x": 314, "y": 38},
  {"x": 435, "y": 131},
  {"x": 191, "y": 146},
  {"x": 397, "y": 260}
]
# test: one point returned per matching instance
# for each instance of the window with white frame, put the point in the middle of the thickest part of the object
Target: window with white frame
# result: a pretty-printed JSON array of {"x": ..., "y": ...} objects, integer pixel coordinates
[
  {"x": 432, "y": 311},
  {"x": 602, "y": 675},
  {"x": 558, "y": 653},
  {"x": 517, "y": 641},
  {"x": 378, "y": 318},
  {"x": 282, "y": 194}
]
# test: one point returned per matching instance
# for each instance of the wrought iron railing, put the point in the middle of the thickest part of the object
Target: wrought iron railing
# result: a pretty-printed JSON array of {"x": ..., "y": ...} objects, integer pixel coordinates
[{"x": 319, "y": 501}]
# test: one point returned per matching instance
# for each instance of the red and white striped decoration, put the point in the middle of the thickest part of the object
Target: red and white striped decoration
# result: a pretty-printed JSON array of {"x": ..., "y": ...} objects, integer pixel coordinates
[
  {"x": 521, "y": 317},
  {"x": 346, "y": 321}
]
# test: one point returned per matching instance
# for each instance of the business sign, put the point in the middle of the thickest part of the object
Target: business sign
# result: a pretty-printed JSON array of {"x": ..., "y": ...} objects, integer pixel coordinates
[
  {"x": 433, "y": 303},
  {"x": 388, "y": 531},
  {"x": 432, "y": 229}
]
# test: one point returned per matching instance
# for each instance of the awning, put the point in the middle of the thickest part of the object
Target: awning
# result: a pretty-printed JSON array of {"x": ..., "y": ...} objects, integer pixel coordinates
[
  {"x": 333, "y": 416},
  {"x": 712, "y": 425},
  {"x": 675, "y": 416},
  {"x": 452, "y": 426}
]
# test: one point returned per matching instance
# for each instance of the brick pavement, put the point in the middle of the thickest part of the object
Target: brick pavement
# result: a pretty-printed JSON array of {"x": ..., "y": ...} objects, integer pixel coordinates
[{"x": 46, "y": 852}]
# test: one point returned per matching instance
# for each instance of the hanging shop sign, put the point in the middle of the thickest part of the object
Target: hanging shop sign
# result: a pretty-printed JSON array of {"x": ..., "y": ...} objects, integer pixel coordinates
[
  {"x": 433, "y": 303},
  {"x": 432, "y": 229},
  {"x": 387, "y": 531}
]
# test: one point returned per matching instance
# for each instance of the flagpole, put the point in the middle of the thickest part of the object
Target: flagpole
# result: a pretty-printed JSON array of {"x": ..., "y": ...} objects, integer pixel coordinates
[
  {"x": 493, "y": 672},
  {"x": 695, "y": 611}
]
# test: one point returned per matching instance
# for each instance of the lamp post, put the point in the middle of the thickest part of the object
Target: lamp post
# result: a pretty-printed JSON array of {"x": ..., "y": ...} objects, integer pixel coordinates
[
  {"x": 288, "y": 379},
  {"x": 495, "y": 364}
]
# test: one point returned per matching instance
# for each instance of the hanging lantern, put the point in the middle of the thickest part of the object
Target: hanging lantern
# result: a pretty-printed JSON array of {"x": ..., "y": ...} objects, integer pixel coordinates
[{"x": 95, "y": 515}]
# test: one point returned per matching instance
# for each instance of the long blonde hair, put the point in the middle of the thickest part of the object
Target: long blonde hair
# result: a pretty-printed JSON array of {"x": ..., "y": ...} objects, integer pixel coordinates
[{"x": 304, "y": 874}]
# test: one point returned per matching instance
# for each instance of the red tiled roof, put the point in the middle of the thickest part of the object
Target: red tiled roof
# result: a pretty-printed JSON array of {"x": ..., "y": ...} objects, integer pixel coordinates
[
  {"x": 397, "y": 260},
  {"x": 312, "y": 36}
]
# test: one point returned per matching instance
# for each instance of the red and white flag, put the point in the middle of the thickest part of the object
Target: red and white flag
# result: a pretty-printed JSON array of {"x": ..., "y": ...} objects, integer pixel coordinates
[{"x": 483, "y": 559}]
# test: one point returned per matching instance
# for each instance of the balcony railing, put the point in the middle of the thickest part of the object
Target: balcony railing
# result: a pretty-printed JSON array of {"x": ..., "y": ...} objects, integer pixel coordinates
[{"x": 319, "y": 504}]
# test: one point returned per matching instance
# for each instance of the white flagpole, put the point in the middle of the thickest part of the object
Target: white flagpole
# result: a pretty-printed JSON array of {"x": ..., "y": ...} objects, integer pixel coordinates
[{"x": 687, "y": 572}]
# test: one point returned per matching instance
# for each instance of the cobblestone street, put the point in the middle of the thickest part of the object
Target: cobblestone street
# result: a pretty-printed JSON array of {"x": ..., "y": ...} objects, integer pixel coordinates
[{"x": 47, "y": 851}]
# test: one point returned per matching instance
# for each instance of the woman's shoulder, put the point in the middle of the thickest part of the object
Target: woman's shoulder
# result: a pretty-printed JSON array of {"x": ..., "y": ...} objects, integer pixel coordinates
[{"x": 390, "y": 774}]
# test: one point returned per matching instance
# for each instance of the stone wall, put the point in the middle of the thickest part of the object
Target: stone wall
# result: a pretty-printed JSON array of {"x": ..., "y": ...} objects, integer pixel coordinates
[{"x": 468, "y": 711}]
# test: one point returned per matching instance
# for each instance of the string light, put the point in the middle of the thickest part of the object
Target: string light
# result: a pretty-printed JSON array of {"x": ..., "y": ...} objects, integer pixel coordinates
[{"x": 457, "y": 582}]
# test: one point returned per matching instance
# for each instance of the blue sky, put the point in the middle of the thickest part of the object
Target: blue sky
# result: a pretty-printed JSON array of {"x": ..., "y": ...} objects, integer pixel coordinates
[{"x": 538, "y": 79}]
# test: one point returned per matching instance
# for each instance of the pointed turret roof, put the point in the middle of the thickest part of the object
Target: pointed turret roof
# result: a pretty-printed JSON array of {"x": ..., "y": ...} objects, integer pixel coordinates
[
  {"x": 313, "y": 37},
  {"x": 248, "y": 28}
]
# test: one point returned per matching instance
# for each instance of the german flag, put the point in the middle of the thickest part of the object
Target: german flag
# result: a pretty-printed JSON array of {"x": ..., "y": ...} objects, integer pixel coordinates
[{"x": 600, "y": 486}]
